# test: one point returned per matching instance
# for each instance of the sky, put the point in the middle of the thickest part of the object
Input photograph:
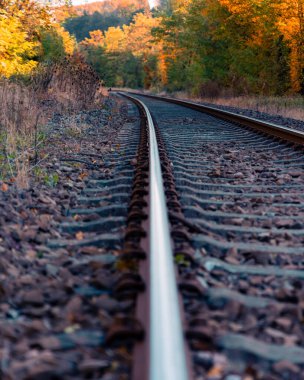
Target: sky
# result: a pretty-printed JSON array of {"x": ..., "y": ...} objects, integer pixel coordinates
[{"x": 77, "y": 2}]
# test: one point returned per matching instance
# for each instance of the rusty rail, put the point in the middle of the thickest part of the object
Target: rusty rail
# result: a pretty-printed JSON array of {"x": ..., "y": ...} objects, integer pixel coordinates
[{"x": 272, "y": 129}]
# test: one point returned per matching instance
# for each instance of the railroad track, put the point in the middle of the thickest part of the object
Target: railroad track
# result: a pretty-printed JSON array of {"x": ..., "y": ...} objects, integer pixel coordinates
[{"x": 219, "y": 195}]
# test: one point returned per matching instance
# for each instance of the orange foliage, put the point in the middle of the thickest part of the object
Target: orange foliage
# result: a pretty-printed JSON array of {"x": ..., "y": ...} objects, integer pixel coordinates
[
  {"x": 290, "y": 22},
  {"x": 163, "y": 67},
  {"x": 288, "y": 18}
]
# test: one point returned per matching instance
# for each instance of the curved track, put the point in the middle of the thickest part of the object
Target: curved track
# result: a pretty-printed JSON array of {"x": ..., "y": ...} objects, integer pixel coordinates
[
  {"x": 241, "y": 212},
  {"x": 222, "y": 201}
]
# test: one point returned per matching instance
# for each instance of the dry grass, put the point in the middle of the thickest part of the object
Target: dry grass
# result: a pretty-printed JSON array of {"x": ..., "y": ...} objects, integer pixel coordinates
[
  {"x": 66, "y": 87},
  {"x": 71, "y": 84},
  {"x": 287, "y": 106},
  {"x": 19, "y": 115}
]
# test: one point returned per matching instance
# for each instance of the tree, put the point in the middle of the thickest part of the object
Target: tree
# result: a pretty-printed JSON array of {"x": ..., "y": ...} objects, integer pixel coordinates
[
  {"x": 17, "y": 52},
  {"x": 56, "y": 43},
  {"x": 29, "y": 36},
  {"x": 277, "y": 24},
  {"x": 115, "y": 40},
  {"x": 290, "y": 22},
  {"x": 229, "y": 43},
  {"x": 96, "y": 39}
]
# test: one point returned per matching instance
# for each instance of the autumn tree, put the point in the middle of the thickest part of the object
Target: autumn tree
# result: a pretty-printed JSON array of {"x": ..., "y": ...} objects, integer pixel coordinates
[
  {"x": 96, "y": 39},
  {"x": 290, "y": 23},
  {"x": 17, "y": 52},
  {"x": 102, "y": 15},
  {"x": 130, "y": 49},
  {"x": 29, "y": 36},
  {"x": 141, "y": 43},
  {"x": 226, "y": 44},
  {"x": 204, "y": 46},
  {"x": 278, "y": 25}
]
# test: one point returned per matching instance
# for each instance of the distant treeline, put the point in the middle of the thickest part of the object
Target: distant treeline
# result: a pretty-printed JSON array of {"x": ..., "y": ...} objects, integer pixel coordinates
[
  {"x": 201, "y": 46},
  {"x": 101, "y": 16},
  {"x": 205, "y": 47}
]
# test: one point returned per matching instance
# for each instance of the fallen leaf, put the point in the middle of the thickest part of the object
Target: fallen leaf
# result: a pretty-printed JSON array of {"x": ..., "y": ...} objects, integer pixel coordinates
[
  {"x": 79, "y": 235},
  {"x": 215, "y": 371},
  {"x": 4, "y": 187},
  {"x": 82, "y": 176}
]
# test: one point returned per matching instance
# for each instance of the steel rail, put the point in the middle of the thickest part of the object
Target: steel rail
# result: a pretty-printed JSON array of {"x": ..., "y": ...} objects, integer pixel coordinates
[
  {"x": 167, "y": 354},
  {"x": 272, "y": 129}
]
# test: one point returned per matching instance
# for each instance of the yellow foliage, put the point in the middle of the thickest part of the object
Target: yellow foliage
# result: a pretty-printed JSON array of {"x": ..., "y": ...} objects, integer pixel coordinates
[
  {"x": 69, "y": 42},
  {"x": 180, "y": 5},
  {"x": 16, "y": 50},
  {"x": 136, "y": 39},
  {"x": 243, "y": 7},
  {"x": 96, "y": 39},
  {"x": 23, "y": 24},
  {"x": 138, "y": 34},
  {"x": 115, "y": 40}
]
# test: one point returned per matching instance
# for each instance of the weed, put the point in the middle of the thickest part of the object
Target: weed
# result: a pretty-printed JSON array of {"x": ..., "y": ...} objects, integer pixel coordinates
[
  {"x": 180, "y": 259},
  {"x": 39, "y": 255},
  {"x": 18, "y": 119},
  {"x": 66, "y": 87},
  {"x": 51, "y": 179},
  {"x": 74, "y": 131}
]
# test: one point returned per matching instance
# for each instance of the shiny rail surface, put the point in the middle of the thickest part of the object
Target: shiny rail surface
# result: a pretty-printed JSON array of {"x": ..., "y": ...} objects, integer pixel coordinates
[{"x": 167, "y": 351}]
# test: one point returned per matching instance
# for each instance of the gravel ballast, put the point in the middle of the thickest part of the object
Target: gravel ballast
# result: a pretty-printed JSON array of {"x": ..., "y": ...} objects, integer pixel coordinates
[{"x": 57, "y": 304}]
